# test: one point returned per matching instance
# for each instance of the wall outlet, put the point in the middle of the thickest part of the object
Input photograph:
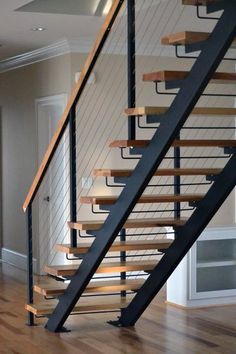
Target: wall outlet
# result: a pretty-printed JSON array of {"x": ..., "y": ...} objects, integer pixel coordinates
[{"x": 87, "y": 182}]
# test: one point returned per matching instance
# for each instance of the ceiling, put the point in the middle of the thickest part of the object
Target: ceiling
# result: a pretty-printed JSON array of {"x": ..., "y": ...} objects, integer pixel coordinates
[
  {"x": 78, "y": 20},
  {"x": 16, "y": 36},
  {"x": 68, "y": 7}
]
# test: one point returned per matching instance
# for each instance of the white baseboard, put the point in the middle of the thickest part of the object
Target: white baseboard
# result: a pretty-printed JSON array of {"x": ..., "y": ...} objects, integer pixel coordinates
[{"x": 16, "y": 259}]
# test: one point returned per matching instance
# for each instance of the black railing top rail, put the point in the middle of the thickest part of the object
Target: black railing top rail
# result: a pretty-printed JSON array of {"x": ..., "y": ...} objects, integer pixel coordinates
[{"x": 74, "y": 98}]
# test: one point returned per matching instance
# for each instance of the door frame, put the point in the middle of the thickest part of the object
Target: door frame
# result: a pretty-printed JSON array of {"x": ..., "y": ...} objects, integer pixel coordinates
[{"x": 41, "y": 102}]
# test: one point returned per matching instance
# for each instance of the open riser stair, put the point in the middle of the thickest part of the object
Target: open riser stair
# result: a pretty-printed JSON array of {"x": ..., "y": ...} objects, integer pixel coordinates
[{"x": 121, "y": 259}]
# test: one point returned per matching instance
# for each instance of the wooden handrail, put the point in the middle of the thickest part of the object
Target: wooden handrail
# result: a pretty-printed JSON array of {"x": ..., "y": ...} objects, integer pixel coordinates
[{"x": 75, "y": 95}]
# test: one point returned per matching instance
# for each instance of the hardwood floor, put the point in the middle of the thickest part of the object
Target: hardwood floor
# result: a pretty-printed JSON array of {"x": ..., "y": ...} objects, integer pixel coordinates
[{"x": 162, "y": 328}]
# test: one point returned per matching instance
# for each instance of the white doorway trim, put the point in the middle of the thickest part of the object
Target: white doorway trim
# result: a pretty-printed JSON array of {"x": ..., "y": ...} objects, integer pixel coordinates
[
  {"x": 48, "y": 113},
  {"x": 44, "y": 102}
]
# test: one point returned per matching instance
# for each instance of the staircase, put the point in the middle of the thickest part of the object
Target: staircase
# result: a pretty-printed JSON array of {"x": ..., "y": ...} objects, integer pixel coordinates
[{"x": 125, "y": 290}]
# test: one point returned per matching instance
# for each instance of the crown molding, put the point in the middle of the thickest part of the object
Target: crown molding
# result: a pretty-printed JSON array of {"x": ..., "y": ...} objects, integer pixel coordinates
[
  {"x": 75, "y": 46},
  {"x": 56, "y": 49},
  {"x": 34, "y": 56}
]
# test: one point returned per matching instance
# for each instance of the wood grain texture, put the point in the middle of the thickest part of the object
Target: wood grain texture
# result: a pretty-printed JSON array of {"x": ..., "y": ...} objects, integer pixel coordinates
[
  {"x": 83, "y": 305},
  {"x": 143, "y": 111},
  {"x": 111, "y": 267},
  {"x": 172, "y": 75},
  {"x": 159, "y": 172},
  {"x": 145, "y": 199},
  {"x": 187, "y": 37},
  {"x": 51, "y": 287},
  {"x": 76, "y": 93},
  {"x": 176, "y": 143},
  {"x": 199, "y": 2},
  {"x": 130, "y": 223},
  {"x": 148, "y": 110},
  {"x": 162, "y": 328},
  {"x": 119, "y": 246}
]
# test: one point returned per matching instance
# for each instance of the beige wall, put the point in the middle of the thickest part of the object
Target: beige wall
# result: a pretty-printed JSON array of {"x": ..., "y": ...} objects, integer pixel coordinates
[
  {"x": 18, "y": 91},
  {"x": 100, "y": 119}
]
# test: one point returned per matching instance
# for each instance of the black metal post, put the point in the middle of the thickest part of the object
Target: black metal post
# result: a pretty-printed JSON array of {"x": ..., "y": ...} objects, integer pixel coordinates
[
  {"x": 30, "y": 274},
  {"x": 123, "y": 258},
  {"x": 177, "y": 180},
  {"x": 131, "y": 67},
  {"x": 73, "y": 197}
]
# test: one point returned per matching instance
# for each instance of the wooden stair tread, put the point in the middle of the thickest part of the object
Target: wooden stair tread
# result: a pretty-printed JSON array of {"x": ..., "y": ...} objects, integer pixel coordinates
[
  {"x": 187, "y": 37},
  {"x": 111, "y": 267},
  {"x": 55, "y": 288},
  {"x": 119, "y": 246},
  {"x": 159, "y": 172},
  {"x": 176, "y": 143},
  {"x": 144, "y": 111},
  {"x": 83, "y": 305},
  {"x": 199, "y": 2},
  {"x": 130, "y": 223},
  {"x": 160, "y": 198},
  {"x": 172, "y": 75},
  {"x": 149, "y": 110}
]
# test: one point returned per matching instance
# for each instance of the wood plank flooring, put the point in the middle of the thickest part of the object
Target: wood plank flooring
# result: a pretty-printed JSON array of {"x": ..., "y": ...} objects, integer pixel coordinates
[{"x": 162, "y": 328}]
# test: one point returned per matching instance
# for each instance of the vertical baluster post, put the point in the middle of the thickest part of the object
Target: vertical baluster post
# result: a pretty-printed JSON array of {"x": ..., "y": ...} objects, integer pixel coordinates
[
  {"x": 30, "y": 274},
  {"x": 73, "y": 194},
  {"x": 131, "y": 40}
]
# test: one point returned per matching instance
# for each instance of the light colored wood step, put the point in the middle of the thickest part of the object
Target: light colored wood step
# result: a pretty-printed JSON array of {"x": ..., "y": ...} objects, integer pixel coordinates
[
  {"x": 84, "y": 305},
  {"x": 160, "y": 172},
  {"x": 145, "y": 111},
  {"x": 111, "y": 267},
  {"x": 148, "y": 110},
  {"x": 119, "y": 246},
  {"x": 130, "y": 223},
  {"x": 145, "y": 199},
  {"x": 199, "y": 2},
  {"x": 187, "y": 37},
  {"x": 176, "y": 143},
  {"x": 55, "y": 288},
  {"x": 172, "y": 75}
]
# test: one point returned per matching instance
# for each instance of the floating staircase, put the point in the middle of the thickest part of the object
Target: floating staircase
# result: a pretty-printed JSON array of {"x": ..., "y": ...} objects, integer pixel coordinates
[{"x": 111, "y": 236}]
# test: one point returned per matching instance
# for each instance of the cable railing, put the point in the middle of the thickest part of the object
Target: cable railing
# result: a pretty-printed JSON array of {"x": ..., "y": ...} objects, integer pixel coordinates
[{"x": 68, "y": 116}]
